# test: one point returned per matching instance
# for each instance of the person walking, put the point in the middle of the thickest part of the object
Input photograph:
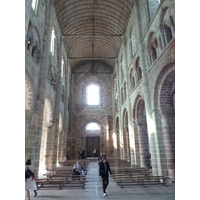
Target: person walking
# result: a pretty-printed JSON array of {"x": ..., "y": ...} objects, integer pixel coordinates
[
  {"x": 99, "y": 160},
  {"x": 33, "y": 185},
  {"x": 104, "y": 169},
  {"x": 28, "y": 177}
]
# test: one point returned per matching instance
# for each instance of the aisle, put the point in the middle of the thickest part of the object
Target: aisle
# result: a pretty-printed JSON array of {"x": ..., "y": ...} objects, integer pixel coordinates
[{"x": 93, "y": 190}]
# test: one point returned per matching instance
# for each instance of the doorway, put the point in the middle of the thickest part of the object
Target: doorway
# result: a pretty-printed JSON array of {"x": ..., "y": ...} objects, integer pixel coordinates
[{"x": 91, "y": 144}]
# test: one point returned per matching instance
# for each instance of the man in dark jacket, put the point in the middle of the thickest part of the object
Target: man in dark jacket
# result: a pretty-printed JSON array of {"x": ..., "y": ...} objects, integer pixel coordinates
[{"x": 104, "y": 169}]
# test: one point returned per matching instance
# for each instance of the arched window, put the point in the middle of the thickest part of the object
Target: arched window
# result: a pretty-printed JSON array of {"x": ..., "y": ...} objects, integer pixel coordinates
[
  {"x": 62, "y": 66},
  {"x": 52, "y": 40},
  {"x": 93, "y": 94},
  {"x": 167, "y": 33},
  {"x": 152, "y": 48},
  {"x": 153, "y": 5},
  {"x": 138, "y": 70},
  {"x": 92, "y": 126},
  {"x": 132, "y": 79},
  {"x": 34, "y": 5},
  {"x": 132, "y": 42}
]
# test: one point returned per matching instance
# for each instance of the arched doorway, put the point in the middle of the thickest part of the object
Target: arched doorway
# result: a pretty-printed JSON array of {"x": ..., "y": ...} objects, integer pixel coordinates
[
  {"x": 141, "y": 133},
  {"x": 92, "y": 132},
  {"x": 165, "y": 117}
]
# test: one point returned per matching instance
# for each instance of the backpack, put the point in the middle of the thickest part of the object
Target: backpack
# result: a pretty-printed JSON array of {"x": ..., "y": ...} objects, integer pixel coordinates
[{"x": 28, "y": 173}]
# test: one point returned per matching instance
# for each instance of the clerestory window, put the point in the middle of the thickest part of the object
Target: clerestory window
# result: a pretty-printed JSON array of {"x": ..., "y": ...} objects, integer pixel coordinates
[
  {"x": 52, "y": 41},
  {"x": 92, "y": 126},
  {"x": 34, "y": 5},
  {"x": 93, "y": 95},
  {"x": 62, "y": 66}
]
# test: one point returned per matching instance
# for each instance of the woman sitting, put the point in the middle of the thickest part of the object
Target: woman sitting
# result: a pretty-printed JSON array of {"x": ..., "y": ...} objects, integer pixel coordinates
[{"x": 77, "y": 168}]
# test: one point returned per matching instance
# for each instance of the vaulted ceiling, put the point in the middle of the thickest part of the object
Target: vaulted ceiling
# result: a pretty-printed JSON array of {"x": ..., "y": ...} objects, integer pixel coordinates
[{"x": 92, "y": 30}]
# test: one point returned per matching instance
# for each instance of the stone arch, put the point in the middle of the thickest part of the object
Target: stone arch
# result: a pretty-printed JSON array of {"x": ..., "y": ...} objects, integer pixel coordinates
[
  {"x": 46, "y": 128},
  {"x": 167, "y": 27},
  {"x": 132, "y": 78},
  {"x": 165, "y": 115},
  {"x": 34, "y": 42},
  {"x": 141, "y": 133},
  {"x": 152, "y": 48},
  {"x": 92, "y": 138},
  {"x": 126, "y": 140},
  {"x": 138, "y": 69}
]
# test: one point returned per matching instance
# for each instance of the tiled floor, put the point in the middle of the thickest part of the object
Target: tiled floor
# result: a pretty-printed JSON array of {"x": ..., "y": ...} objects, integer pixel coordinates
[{"x": 93, "y": 190}]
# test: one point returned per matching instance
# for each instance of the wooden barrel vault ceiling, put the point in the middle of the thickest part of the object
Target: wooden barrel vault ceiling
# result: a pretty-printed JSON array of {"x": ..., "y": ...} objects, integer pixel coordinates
[{"x": 92, "y": 30}]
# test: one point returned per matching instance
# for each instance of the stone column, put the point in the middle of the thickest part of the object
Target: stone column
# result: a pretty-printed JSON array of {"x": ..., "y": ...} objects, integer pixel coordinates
[
  {"x": 127, "y": 142},
  {"x": 67, "y": 142},
  {"x": 27, "y": 15},
  {"x": 128, "y": 132},
  {"x": 141, "y": 144},
  {"x": 168, "y": 128},
  {"x": 55, "y": 123},
  {"x": 123, "y": 150},
  {"x": 119, "y": 106},
  {"x": 145, "y": 84},
  {"x": 43, "y": 79}
]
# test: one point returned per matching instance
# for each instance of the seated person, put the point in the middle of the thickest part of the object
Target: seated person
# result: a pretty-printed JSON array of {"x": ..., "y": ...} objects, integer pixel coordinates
[
  {"x": 83, "y": 169},
  {"x": 64, "y": 161},
  {"x": 77, "y": 168}
]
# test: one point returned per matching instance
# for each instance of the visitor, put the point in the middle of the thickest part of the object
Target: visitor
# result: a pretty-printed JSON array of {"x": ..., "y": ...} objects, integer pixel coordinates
[
  {"x": 77, "y": 168},
  {"x": 29, "y": 172},
  {"x": 104, "y": 169}
]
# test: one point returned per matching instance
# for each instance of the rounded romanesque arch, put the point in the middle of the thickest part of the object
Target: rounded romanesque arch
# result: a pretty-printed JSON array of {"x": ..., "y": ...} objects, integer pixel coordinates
[
  {"x": 141, "y": 133},
  {"x": 167, "y": 26},
  {"x": 165, "y": 115},
  {"x": 93, "y": 137}
]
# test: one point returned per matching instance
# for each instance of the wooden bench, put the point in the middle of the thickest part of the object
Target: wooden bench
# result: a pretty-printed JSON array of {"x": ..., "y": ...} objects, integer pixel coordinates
[
  {"x": 49, "y": 184},
  {"x": 59, "y": 183},
  {"x": 141, "y": 180}
]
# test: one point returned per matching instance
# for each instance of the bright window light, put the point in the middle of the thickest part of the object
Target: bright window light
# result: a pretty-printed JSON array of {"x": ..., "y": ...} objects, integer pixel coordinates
[
  {"x": 92, "y": 126},
  {"x": 52, "y": 41},
  {"x": 62, "y": 67},
  {"x": 93, "y": 95},
  {"x": 34, "y": 4}
]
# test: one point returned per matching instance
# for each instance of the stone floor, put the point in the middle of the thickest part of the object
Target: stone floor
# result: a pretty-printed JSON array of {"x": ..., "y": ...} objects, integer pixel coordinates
[{"x": 93, "y": 190}]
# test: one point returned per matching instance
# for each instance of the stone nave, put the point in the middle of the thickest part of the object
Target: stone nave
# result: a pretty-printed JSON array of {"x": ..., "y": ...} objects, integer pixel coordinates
[{"x": 100, "y": 74}]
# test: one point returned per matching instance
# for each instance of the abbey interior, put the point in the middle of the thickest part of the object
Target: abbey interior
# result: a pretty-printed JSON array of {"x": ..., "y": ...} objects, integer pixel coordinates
[{"x": 100, "y": 74}]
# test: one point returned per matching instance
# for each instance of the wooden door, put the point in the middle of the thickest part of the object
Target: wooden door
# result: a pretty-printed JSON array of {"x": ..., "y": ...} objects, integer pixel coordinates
[{"x": 91, "y": 143}]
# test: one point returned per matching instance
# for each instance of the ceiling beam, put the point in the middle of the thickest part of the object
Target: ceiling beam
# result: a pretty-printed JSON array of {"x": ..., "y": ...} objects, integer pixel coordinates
[
  {"x": 100, "y": 58},
  {"x": 96, "y": 36}
]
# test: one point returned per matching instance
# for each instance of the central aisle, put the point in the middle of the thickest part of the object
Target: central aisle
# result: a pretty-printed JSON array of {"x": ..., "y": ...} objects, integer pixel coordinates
[{"x": 93, "y": 190}]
